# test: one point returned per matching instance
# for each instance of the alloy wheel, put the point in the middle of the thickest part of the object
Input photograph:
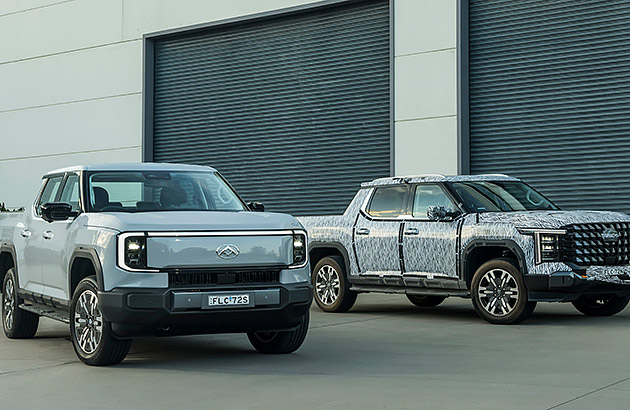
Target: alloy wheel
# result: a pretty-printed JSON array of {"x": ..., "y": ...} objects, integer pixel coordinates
[
  {"x": 498, "y": 292},
  {"x": 9, "y": 303},
  {"x": 88, "y": 322},
  {"x": 327, "y": 285}
]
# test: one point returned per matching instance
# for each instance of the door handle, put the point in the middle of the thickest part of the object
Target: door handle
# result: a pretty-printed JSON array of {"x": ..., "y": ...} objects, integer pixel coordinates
[
  {"x": 26, "y": 233},
  {"x": 363, "y": 231},
  {"x": 411, "y": 231},
  {"x": 48, "y": 235}
]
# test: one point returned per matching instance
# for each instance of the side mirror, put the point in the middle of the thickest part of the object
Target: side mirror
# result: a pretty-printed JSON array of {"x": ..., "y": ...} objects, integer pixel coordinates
[
  {"x": 57, "y": 211},
  {"x": 441, "y": 213},
  {"x": 256, "y": 206}
]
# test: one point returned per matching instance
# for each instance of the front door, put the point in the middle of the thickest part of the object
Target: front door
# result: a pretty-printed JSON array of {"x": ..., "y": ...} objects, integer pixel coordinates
[
  {"x": 430, "y": 247},
  {"x": 377, "y": 232},
  {"x": 55, "y": 268}
]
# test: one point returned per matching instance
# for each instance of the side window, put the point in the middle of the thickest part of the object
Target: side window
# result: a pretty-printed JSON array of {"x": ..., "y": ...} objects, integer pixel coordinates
[
  {"x": 388, "y": 202},
  {"x": 49, "y": 193},
  {"x": 70, "y": 192},
  {"x": 427, "y": 195}
]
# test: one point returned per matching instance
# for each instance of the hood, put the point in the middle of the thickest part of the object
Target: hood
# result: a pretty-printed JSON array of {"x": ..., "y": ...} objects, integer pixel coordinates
[
  {"x": 193, "y": 221},
  {"x": 552, "y": 219}
]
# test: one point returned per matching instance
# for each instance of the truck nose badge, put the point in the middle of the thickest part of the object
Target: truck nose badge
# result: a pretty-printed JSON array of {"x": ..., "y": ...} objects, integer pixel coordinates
[
  {"x": 610, "y": 235},
  {"x": 228, "y": 251}
]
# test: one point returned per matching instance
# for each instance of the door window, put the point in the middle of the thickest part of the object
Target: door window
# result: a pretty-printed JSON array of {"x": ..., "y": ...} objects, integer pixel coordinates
[
  {"x": 427, "y": 195},
  {"x": 388, "y": 202},
  {"x": 49, "y": 193},
  {"x": 70, "y": 192}
]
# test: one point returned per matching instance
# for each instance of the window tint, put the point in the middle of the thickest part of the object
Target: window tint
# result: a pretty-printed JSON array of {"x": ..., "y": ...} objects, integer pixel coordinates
[
  {"x": 388, "y": 202},
  {"x": 49, "y": 193},
  {"x": 429, "y": 195},
  {"x": 70, "y": 192},
  {"x": 501, "y": 196}
]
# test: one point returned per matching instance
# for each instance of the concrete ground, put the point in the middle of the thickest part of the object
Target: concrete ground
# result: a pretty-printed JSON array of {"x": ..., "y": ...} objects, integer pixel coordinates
[{"x": 384, "y": 354}]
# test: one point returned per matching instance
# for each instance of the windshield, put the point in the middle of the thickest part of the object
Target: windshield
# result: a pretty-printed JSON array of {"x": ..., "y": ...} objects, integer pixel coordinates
[
  {"x": 500, "y": 196},
  {"x": 136, "y": 191}
]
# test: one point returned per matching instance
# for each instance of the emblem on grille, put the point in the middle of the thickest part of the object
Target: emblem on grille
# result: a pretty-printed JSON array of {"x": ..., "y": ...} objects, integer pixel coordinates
[
  {"x": 228, "y": 251},
  {"x": 610, "y": 235}
]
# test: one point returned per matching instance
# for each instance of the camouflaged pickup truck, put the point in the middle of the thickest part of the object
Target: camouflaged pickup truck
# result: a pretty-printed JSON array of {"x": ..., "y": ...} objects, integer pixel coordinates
[{"x": 492, "y": 238}]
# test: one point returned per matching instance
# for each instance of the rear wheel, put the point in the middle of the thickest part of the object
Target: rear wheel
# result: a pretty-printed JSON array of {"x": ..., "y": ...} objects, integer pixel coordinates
[
  {"x": 17, "y": 323},
  {"x": 498, "y": 293},
  {"x": 331, "y": 289},
  {"x": 280, "y": 342},
  {"x": 425, "y": 301},
  {"x": 92, "y": 337},
  {"x": 601, "y": 305}
]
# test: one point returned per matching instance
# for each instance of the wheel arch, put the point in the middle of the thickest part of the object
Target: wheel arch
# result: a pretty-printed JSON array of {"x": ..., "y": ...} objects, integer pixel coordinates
[
  {"x": 480, "y": 251},
  {"x": 83, "y": 263},
  {"x": 7, "y": 261},
  {"x": 319, "y": 250}
]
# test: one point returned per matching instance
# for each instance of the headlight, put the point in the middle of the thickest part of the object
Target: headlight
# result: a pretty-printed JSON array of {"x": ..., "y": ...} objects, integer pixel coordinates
[
  {"x": 300, "y": 254},
  {"x": 132, "y": 252},
  {"x": 547, "y": 243}
]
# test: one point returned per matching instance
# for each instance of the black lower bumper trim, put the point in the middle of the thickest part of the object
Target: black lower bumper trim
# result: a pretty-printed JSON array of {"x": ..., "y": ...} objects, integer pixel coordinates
[
  {"x": 147, "y": 312},
  {"x": 567, "y": 286}
]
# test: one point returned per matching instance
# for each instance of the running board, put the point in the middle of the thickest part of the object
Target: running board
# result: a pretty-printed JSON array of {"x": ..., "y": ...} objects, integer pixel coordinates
[
  {"x": 411, "y": 291},
  {"x": 48, "y": 312}
]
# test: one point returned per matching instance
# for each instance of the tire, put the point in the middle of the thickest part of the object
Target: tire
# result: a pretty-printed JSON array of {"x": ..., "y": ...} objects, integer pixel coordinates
[
  {"x": 92, "y": 336},
  {"x": 17, "y": 323},
  {"x": 331, "y": 289},
  {"x": 425, "y": 301},
  {"x": 280, "y": 342},
  {"x": 499, "y": 294},
  {"x": 601, "y": 305}
]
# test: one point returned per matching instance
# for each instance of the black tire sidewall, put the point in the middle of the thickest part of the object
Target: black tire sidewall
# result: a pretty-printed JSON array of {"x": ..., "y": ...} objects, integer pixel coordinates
[
  {"x": 343, "y": 284},
  {"x": 426, "y": 301},
  {"x": 615, "y": 305},
  {"x": 282, "y": 342},
  {"x": 523, "y": 308}
]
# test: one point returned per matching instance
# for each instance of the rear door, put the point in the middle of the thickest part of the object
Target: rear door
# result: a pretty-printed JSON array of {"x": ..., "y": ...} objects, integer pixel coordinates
[
  {"x": 377, "y": 231},
  {"x": 430, "y": 247}
]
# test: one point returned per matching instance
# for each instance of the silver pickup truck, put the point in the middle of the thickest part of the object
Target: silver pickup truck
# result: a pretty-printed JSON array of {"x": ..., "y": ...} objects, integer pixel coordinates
[
  {"x": 126, "y": 250},
  {"x": 492, "y": 238}
]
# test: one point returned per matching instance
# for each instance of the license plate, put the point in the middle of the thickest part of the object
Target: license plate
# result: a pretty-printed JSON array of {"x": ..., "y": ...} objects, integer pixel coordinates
[{"x": 228, "y": 300}]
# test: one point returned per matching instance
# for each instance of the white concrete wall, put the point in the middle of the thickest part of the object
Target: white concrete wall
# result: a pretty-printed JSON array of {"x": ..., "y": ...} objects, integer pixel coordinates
[
  {"x": 71, "y": 81},
  {"x": 425, "y": 89}
]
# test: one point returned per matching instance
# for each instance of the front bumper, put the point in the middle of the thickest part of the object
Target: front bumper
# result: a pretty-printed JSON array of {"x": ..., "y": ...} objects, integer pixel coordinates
[
  {"x": 147, "y": 312},
  {"x": 568, "y": 286}
]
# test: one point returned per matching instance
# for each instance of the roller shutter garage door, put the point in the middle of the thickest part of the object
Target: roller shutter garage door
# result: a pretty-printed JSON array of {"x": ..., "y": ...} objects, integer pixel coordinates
[
  {"x": 550, "y": 97},
  {"x": 293, "y": 110}
]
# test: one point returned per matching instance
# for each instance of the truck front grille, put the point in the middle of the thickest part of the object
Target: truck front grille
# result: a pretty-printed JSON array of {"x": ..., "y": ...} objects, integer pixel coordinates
[
  {"x": 602, "y": 244},
  {"x": 179, "y": 279}
]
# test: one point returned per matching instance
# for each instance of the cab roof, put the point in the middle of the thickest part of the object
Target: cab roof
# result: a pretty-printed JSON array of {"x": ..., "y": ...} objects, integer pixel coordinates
[
  {"x": 133, "y": 166},
  {"x": 410, "y": 179}
]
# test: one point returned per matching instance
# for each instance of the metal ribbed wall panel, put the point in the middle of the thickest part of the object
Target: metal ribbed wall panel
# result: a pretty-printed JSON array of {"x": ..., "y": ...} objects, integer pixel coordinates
[
  {"x": 550, "y": 97},
  {"x": 294, "y": 110}
]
